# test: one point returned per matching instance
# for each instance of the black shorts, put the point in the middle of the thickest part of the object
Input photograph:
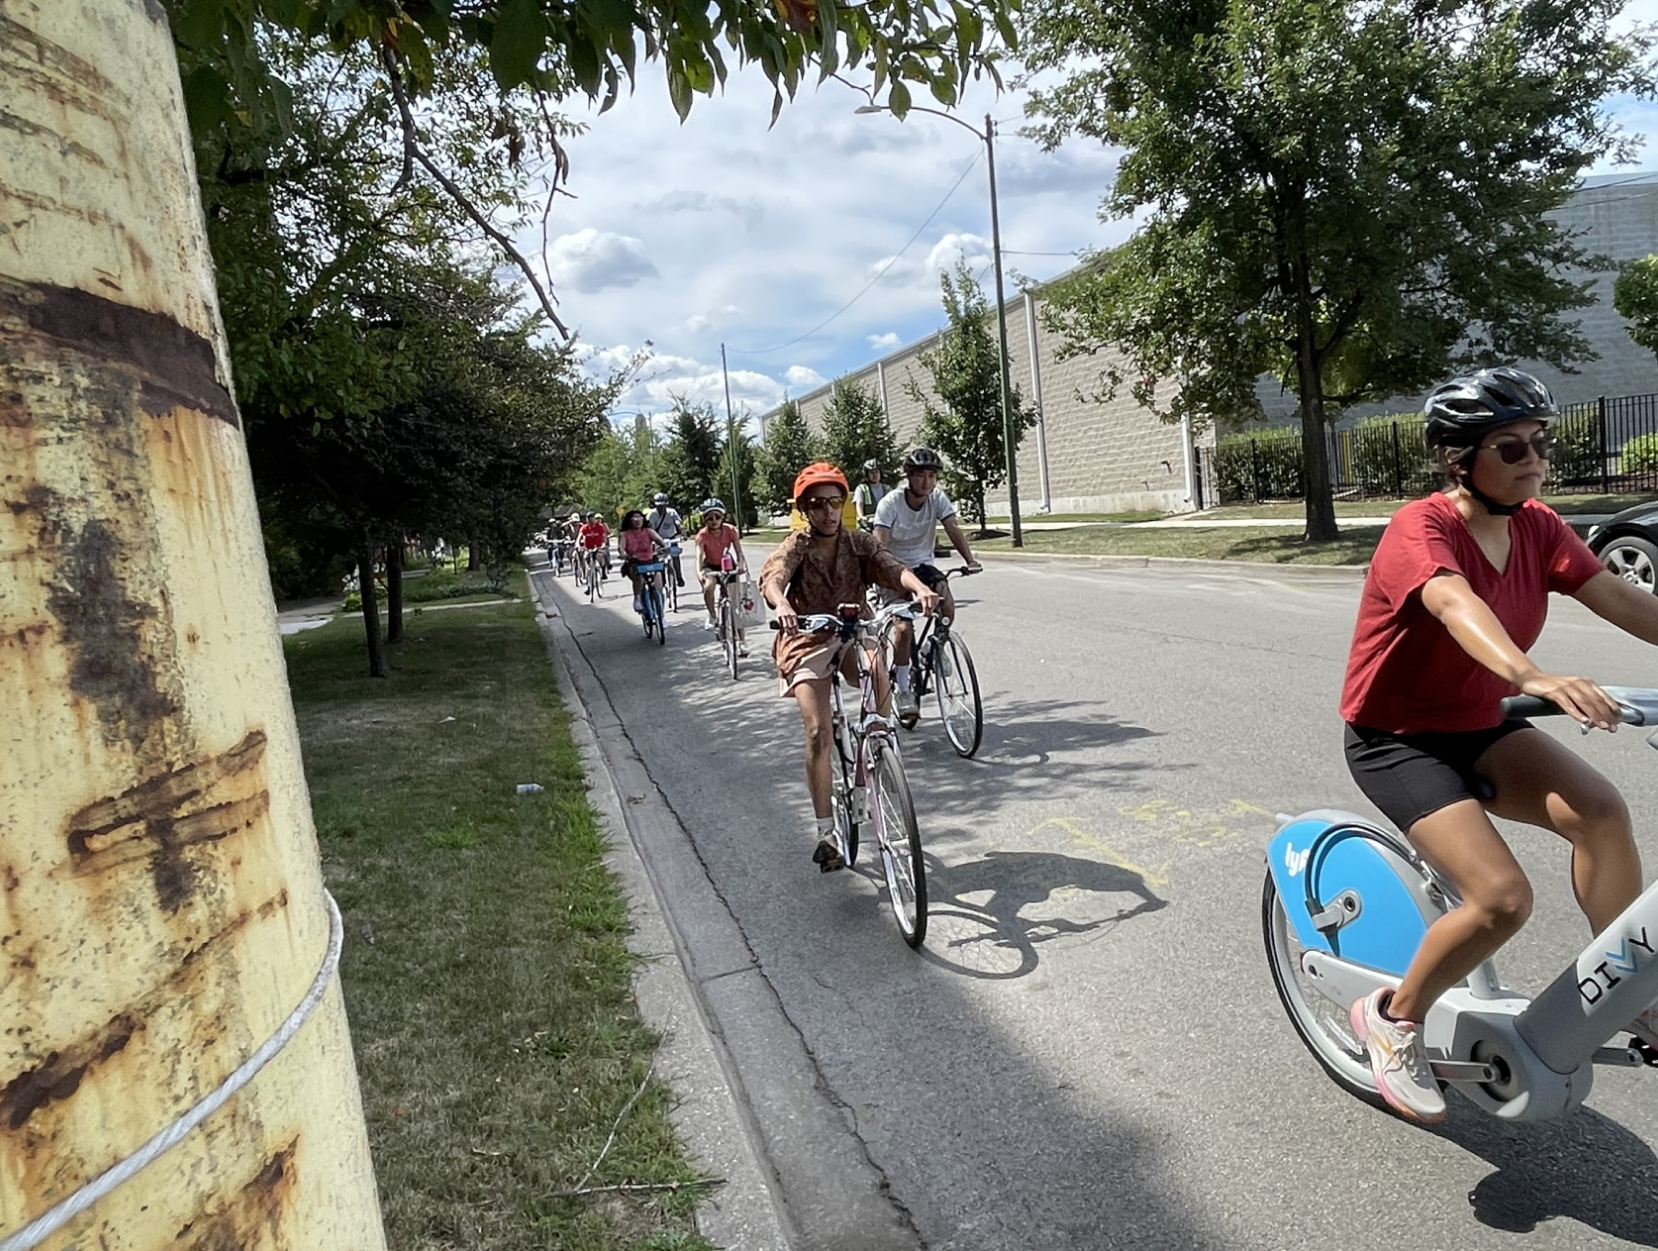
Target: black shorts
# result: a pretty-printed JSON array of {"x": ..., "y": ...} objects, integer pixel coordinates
[{"x": 1409, "y": 776}]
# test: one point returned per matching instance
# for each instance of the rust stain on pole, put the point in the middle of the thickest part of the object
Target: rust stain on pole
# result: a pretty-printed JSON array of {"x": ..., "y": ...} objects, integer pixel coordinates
[{"x": 160, "y": 895}]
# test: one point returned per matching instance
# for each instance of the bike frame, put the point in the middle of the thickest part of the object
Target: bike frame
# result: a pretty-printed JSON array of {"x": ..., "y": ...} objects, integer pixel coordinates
[{"x": 1520, "y": 1059}]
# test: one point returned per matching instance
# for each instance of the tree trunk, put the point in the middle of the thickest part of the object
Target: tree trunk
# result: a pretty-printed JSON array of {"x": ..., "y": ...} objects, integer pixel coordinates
[
  {"x": 394, "y": 592},
  {"x": 163, "y": 903},
  {"x": 472, "y": 561},
  {"x": 1315, "y": 455},
  {"x": 370, "y": 595}
]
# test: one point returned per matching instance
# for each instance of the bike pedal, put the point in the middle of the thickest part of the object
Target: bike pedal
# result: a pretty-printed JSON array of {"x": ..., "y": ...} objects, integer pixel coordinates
[{"x": 1644, "y": 1049}]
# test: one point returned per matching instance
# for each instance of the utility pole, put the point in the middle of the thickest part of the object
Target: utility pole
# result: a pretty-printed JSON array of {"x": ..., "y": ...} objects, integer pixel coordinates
[
  {"x": 731, "y": 446},
  {"x": 1008, "y": 431}
]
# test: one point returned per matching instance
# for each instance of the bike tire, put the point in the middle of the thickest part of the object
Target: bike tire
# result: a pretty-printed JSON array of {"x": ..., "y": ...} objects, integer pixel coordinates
[
  {"x": 893, "y": 810},
  {"x": 728, "y": 637},
  {"x": 653, "y": 603},
  {"x": 956, "y": 686},
  {"x": 1321, "y": 1024},
  {"x": 671, "y": 593}
]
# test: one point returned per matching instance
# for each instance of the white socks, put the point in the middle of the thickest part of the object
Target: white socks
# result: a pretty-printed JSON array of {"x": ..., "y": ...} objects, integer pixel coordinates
[
  {"x": 825, "y": 826},
  {"x": 901, "y": 675}
]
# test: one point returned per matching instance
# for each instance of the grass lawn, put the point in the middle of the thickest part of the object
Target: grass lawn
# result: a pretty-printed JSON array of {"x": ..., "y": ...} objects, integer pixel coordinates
[
  {"x": 486, "y": 972},
  {"x": 1566, "y": 505},
  {"x": 1354, "y": 547}
]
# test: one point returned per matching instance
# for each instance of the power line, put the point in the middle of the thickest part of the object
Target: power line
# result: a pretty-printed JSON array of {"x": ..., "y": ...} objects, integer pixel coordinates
[{"x": 952, "y": 191}]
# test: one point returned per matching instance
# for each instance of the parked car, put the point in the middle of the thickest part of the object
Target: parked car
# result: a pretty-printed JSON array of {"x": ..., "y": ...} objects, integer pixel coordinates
[{"x": 1628, "y": 543}]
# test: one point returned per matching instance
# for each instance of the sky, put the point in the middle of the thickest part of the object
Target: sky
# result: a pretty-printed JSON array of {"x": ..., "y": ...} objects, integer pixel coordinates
[{"x": 728, "y": 230}]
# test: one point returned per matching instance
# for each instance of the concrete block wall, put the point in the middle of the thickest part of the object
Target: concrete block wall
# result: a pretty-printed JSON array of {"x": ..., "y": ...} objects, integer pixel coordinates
[{"x": 1114, "y": 456}]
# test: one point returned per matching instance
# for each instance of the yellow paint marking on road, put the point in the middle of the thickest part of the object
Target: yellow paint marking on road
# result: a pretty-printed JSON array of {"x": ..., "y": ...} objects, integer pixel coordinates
[{"x": 1151, "y": 877}]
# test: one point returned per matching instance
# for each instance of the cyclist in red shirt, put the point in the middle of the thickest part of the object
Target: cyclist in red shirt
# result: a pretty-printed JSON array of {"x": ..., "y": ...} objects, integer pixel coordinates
[
  {"x": 1456, "y": 594},
  {"x": 594, "y": 538}
]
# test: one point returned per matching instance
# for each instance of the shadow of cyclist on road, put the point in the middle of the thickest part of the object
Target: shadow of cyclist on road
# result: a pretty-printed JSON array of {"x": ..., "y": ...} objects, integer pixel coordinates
[{"x": 995, "y": 937}]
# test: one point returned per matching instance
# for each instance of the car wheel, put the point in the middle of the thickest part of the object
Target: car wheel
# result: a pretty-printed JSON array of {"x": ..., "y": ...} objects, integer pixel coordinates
[{"x": 1634, "y": 560}]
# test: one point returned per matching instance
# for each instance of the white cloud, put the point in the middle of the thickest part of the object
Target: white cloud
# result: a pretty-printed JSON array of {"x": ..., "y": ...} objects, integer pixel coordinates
[
  {"x": 884, "y": 342},
  {"x": 803, "y": 378},
  {"x": 712, "y": 317},
  {"x": 591, "y": 261},
  {"x": 952, "y": 249}
]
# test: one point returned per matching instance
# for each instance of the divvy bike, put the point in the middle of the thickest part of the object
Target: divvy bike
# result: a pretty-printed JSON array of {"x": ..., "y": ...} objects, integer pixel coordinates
[
  {"x": 871, "y": 791},
  {"x": 650, "y": 600},
  {"x": 1345, "y": 905}
]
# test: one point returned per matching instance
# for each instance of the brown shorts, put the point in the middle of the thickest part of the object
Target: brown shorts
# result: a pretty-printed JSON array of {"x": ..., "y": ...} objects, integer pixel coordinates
[{"x": 816, "y": 665}]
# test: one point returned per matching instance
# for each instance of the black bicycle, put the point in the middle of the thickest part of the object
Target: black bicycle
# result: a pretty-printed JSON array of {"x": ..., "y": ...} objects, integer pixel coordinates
[{"x": 941, "y": 663}]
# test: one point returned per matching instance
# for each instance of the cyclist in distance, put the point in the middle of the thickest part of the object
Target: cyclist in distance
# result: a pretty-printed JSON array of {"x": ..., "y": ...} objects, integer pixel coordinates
[
  {"x": 870, "y": 492},
  {"x": 907, "y": 521},
  {"x": 640, "y": 546},
  {"x": 816, "y": 570},
  {"x": 668, "y": 527},
  {"x": 594, "y": 538},
  {"x": 719, "y": 550},
  {"x": 1456, "y": 594}
]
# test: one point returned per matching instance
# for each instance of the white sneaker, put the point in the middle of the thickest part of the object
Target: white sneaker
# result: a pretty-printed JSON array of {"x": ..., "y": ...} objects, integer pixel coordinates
[
  {"x": 1645, "y": 1027},
  {"x": 638, "y": 603},
  {"x": 708, "y": 624},
  {"x": 907, "y": 705},
  {"x": 1403, "y": 1077}
]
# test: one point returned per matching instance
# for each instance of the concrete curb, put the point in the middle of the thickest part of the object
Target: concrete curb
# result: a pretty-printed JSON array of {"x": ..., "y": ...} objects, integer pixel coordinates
[
  {"x": 744, "y": 1213},
  {"x": 1246, "y": 567}
]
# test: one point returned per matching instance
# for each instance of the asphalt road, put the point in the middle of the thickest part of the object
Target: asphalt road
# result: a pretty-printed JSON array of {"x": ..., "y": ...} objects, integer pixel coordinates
[{"x": 1089, "y": 1052}]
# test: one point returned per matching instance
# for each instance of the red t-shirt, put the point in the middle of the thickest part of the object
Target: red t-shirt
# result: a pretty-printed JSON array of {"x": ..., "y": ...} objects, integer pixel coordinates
[
  {"x": 594, "y": 534},
  {"x": 1406, "y": 674}
]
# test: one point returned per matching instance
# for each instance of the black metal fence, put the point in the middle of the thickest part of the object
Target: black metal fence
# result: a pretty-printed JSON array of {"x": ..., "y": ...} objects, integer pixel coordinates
[{"x": 1603, "y": 447}]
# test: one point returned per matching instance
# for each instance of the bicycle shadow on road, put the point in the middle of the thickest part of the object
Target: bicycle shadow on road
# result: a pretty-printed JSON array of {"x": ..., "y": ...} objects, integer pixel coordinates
[
  {"x": 995, "y": 939},
  {"x": 1540, "y": 1171}
]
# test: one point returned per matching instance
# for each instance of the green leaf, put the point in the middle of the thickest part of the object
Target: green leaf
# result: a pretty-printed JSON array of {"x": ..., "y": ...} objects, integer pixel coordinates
[
  {"x": 520, "y": 38},
  {"x": 206, "y": 99},
  {"x": 679, "y": 93},
  {"x": 584, "y": 64},
  {"x": 200, "y": 24},
  {"x": 898, "y": 99},
  {"x": 615, "y": 17}
]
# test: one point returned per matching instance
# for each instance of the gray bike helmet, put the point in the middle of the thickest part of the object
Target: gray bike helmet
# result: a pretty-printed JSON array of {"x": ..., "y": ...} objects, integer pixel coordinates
[
  {"x": 713, "y": 503},
  {"x": 660, "y": 499},
  {"x": 871, "y": 465},
  {"x": 1460, "y": 412},
  {"x": 923, "y": 458}
]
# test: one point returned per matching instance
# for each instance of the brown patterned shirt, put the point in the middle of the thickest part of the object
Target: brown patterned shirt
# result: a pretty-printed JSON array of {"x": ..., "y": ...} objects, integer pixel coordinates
[{"x": 812, "y": 584}]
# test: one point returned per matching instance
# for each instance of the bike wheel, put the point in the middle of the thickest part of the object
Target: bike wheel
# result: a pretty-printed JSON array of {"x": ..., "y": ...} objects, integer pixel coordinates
[
  {"x": 653, "y": 606},
  {"x": 957, "y": 687},
  {"x": 1322, "y": 1025},
  {"x": 893, "y": 812},
  {"x": 728, "y": 637}
]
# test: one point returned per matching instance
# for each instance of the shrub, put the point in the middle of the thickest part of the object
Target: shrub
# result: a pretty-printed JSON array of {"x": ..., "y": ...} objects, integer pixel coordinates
[
  {"x": 1259, "y": 464},
  {"x": 1577, "y": 447},
  {"x": 1640, "y": 454}
]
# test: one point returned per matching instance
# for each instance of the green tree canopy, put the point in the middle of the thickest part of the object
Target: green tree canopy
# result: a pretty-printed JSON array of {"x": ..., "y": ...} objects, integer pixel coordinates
[
  {"x": 1635, "y": 296},
  {"x": 625, "y": 467},
  {"x": 745, "y": 508},
  {"x": 788, "y": 448},
  {"x": 855, "y": 430},
  {"x": 966, "y": 427},
  {"x": 1353, "y": 199},
  {"x": 691, "y": 457}
]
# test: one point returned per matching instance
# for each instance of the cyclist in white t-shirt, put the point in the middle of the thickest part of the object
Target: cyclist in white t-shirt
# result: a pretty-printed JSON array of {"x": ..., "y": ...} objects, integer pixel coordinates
[
  {"x": 665, "y": 521},
  {"x": 906, "y": 522}
]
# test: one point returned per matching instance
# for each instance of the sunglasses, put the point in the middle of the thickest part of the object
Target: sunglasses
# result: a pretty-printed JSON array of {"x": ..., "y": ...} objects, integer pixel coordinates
[
  {"x": 825, "y": 503},
  {"x": 1513, "y": 451}
]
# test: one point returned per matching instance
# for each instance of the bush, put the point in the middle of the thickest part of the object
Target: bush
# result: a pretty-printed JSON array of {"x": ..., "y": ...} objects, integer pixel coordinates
[
  {"x": 1260, "y": 464},
  {"x": 1577, "y": 454},
  {"x": 1640, "y": 454}
]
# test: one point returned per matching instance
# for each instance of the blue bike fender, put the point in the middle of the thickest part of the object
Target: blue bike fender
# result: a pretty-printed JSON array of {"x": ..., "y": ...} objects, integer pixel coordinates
[{"x": 1315, "y": 859}]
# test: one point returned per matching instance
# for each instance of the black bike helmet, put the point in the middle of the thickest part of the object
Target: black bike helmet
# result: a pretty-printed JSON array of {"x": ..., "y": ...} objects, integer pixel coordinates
[
  {"x": 1460, "y": 412},
  {"x": 923, "y": 458}
]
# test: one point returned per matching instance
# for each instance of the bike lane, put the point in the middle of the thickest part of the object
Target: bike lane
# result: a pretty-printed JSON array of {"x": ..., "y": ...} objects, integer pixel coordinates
[{"x": 1089, "y": 1052}]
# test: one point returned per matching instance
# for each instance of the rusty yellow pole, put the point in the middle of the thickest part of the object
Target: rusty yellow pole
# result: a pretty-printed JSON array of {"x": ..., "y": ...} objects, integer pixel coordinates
[{"x": 161, "y": 905}]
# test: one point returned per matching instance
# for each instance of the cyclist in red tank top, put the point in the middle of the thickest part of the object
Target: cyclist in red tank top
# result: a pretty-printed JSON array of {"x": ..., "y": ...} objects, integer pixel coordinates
[{"x": 1456, "y": 595}]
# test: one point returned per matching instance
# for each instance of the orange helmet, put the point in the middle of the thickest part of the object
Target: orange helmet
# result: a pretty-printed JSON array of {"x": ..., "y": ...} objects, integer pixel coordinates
[{"x": 816, "y": 473}]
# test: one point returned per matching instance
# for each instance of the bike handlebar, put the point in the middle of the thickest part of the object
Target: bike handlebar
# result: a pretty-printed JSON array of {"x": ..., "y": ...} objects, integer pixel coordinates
[{"x": 1638, "y": 705}]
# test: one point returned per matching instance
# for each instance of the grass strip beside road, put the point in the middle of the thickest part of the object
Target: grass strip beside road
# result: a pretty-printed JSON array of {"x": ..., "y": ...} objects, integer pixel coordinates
[
  {"x": 1269, "y": 546},
  {"x": 486, "y": 972}
]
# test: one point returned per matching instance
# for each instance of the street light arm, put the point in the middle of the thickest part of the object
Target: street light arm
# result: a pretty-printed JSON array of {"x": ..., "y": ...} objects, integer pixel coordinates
[{"x": 920, "y": 108}]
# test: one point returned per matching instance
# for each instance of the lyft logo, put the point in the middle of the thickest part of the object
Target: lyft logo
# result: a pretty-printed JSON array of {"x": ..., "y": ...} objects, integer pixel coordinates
[
  {"x": 1609, "y": 972},
  {"x": 1295, "y": 861}
]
